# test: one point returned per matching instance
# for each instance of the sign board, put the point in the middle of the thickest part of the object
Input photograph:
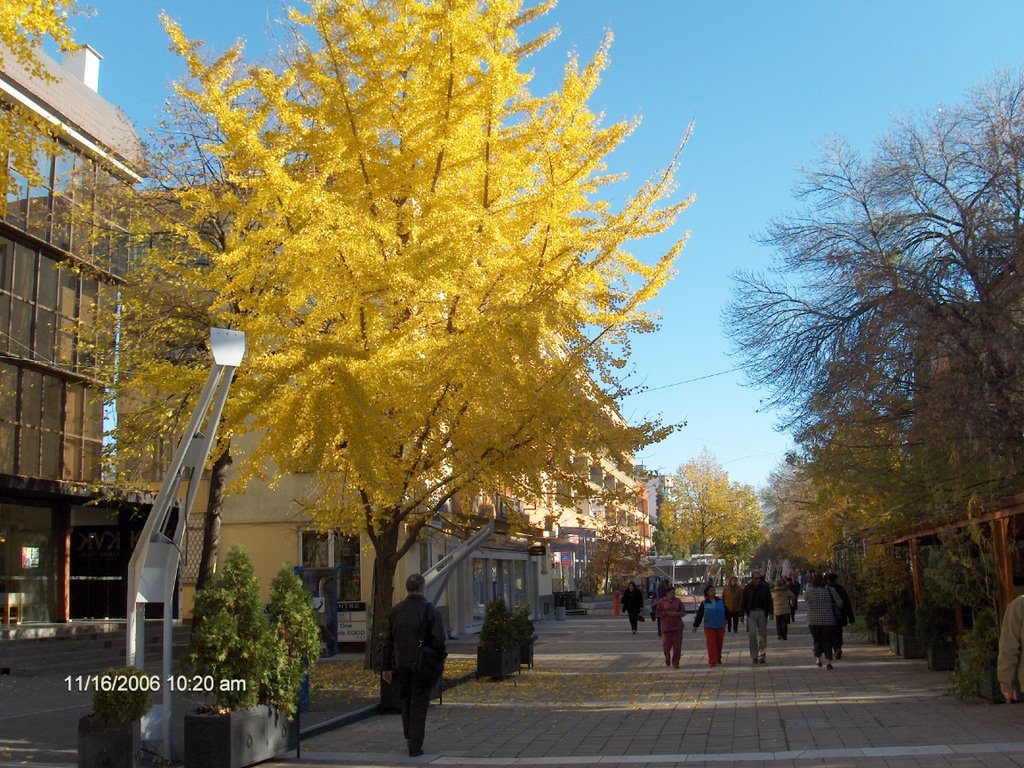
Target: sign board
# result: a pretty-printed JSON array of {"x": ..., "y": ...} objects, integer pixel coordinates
[
  {"x": 538, "y": 549},
  {"x": 566, "y": 559},
  {"x": 351, "y": 621}
]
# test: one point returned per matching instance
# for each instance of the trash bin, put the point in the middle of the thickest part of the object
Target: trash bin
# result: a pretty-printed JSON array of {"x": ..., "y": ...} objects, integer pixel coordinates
[{"x": 559, "y": 613}]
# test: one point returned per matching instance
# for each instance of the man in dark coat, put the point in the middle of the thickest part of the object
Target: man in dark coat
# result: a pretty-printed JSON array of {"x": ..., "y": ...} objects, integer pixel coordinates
[
  {"x": 847, "y": 614},
  {"x": 410, "y": 621},
  {"x": 757, "y": 605}
]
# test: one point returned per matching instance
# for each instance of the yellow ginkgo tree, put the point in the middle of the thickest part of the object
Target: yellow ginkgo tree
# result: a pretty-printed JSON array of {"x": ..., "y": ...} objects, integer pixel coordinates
[
  {"x": 713, "y": 515},
  {"x": 437, "y": 297}
]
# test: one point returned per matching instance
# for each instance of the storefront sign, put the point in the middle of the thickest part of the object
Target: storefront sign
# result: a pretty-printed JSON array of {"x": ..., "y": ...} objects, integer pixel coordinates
[{"x": 351, "y": 622}]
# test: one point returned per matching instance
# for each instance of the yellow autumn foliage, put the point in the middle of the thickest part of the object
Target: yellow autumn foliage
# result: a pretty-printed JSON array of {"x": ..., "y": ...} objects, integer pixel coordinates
[{"x": 436, "y": 296}]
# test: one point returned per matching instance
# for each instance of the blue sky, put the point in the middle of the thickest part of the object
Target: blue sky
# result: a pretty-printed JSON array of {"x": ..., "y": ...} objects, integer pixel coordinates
[{"x": 763, "y": 83}]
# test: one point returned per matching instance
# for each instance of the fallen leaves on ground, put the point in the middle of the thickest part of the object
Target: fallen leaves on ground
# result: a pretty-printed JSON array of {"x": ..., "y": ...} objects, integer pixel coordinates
[
  {"x": 345, "y": 681},
  {"x": 572, "y": 688}
]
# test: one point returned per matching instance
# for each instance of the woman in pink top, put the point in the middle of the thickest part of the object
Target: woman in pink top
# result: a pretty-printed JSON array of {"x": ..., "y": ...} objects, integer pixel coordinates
[{"x": 670, "y": 617}]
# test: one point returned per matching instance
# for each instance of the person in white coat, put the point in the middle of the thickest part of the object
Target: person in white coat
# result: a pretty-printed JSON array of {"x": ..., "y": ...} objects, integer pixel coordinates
[{"x": 1010, "y": 664}]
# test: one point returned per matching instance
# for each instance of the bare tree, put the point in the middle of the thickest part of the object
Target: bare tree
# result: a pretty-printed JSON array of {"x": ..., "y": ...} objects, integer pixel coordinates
[{"x": 890, "y": 326}]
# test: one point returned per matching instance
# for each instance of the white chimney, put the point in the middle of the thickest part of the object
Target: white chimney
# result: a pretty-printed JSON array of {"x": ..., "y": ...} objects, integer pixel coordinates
[{"x": 85, "y": 65}]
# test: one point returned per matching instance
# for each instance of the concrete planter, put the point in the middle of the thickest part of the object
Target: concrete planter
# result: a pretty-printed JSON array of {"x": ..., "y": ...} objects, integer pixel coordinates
[
  {"x": 497, "y": 664},
  {"x": 988, "y": 687},
  {"x": 108, "y": 745},
  {"x": 941, "y": 658},
  {"x": 526, "y": 655},
  {"x": 910, "y": 647},
  {"x": 237, "y": 739}
]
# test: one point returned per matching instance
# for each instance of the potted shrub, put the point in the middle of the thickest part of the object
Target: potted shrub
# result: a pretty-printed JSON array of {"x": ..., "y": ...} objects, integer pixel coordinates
[
  {"x": 524, "y": 629},
  {"x": 976, "y": 663},
  {"x": 909, "y": 646},
  {"x": 111, "y": 736},
  {"x": 497, "y": 653},
  {"x": 251, "y": 663},
  {"x": 935, "y": 627}
]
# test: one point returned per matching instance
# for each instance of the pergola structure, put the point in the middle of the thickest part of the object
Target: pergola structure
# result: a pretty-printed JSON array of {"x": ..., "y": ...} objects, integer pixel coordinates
[{"x": 1002, "y": 525}]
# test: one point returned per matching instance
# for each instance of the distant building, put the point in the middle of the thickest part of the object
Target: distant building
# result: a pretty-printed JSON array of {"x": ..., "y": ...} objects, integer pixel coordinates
[
  {"x": 657, "y": 489},
  {"x": 62, "y": 250}
]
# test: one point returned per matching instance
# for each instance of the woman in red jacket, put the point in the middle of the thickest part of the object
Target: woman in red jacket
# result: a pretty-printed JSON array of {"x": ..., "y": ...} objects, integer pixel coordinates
[{"x": 670, "y": 616}]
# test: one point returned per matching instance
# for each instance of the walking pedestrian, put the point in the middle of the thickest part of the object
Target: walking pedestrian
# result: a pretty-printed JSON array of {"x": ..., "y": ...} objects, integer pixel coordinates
[
  {"x": 756, "y": 605},
  {"x": 670, "y": 616},
  {"x": 659, "y": 594},
  {"x": 633, "y": 604},
  {"x": 847, "y": 614},
  {"x": 794, "y": 587},
  {"x": 1010, "y": 663},
  {"x": 712, "y": 612},
  {"x": 732, "y": 594},
  {"x": 824, "y": 607},
  {"x": 782, "y": 603},
  {"x": 411, "y": 622}
]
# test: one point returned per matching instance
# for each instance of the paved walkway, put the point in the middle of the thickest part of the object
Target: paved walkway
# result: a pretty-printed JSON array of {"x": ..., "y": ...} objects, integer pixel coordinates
[{"x": 600, "y": 695}]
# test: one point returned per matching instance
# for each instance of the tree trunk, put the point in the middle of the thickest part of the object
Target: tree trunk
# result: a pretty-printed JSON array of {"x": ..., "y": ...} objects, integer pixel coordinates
[
  {"x": 211, "y": 520},
  {"x": 384, "y": 565},
  {"x": 383, "y": 590}
]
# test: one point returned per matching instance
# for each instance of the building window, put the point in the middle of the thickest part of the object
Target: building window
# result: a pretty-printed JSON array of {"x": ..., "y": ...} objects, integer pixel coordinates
[
  {"x": 480, "y": 599},
  {"x": 39, "y": 198},
  {"x": 323, "y": 550}
]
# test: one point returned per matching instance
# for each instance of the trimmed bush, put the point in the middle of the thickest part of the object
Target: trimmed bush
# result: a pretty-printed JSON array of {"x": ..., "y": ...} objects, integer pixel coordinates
[{"x": 129, "y": 697}]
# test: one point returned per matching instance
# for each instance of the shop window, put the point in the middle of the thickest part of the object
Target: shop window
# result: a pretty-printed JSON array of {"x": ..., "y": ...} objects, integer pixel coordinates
[
  {"x": 27, "y": 569},
  {"x": 321, "y": 550}
]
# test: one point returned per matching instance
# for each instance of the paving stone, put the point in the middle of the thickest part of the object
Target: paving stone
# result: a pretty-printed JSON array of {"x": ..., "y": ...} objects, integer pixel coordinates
[{"x": 599, "y": 695}]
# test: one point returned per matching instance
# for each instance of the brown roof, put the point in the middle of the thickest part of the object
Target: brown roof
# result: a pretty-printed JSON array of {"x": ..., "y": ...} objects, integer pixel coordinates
[{"x": 71, "y": 100}]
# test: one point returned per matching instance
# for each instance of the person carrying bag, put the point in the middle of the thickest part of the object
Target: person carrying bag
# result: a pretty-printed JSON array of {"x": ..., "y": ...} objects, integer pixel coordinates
[{"x": 413, "y": 658}]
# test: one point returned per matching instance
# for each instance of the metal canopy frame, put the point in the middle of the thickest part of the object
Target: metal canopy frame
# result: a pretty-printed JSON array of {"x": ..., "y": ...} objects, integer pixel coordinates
[
  {"x": 153, "y": 568},
  {"x": 436, "y": 577}
]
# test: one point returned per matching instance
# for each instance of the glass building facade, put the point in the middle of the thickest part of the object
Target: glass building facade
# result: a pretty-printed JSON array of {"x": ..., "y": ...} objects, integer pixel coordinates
[{"x": 63, "y": 250}]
